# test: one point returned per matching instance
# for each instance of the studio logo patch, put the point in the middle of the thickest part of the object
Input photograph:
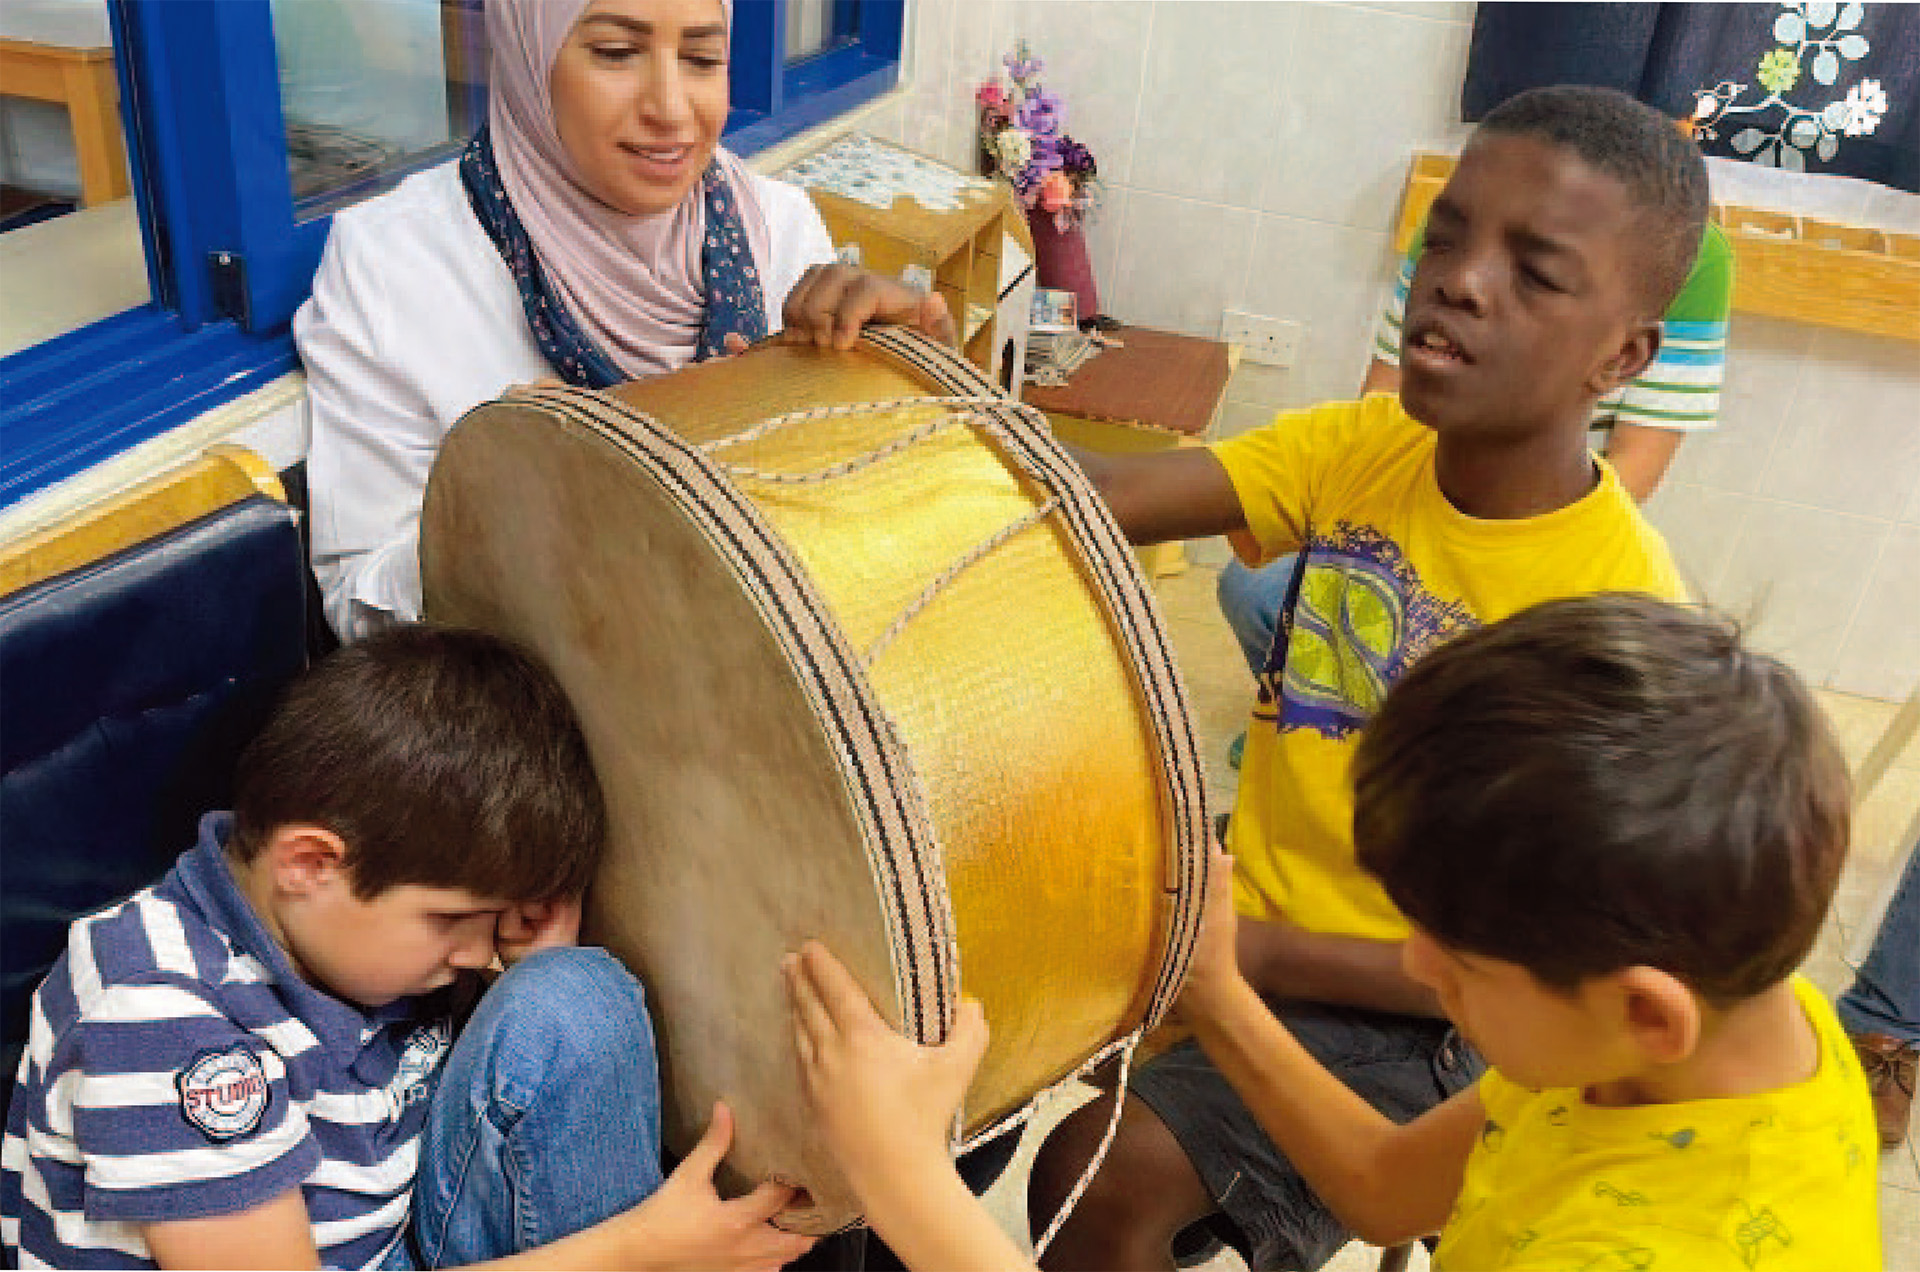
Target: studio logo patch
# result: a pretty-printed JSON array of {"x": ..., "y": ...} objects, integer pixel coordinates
[{"x": 224, "y": 1093}]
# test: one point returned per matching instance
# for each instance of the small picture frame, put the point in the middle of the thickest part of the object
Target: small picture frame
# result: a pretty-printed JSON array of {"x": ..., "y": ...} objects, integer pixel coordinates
[{"x": 1054, "y": 311}]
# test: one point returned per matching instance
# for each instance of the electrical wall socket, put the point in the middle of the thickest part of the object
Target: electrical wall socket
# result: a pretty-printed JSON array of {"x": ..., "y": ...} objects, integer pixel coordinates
[{"x": 1273, "y": 341}]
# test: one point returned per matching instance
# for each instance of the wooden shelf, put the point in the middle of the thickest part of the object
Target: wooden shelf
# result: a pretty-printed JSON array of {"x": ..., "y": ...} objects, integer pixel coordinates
[
  {"x": 959, "y": 249},
  {"x": 1852, "y": 277},
  {"x": 1847, "y": 276}
]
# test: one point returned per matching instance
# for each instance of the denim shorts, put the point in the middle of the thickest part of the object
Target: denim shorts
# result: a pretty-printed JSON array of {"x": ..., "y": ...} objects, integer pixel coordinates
[{"x": 1401, "y": 1065}]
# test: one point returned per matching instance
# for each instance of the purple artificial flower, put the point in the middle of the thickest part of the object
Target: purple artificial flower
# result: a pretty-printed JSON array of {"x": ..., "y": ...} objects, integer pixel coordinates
[
  {"x": 1042, "y": 112},
  {"x": 1046, "y": 155},
  {"x": 1074, "y": 157}
]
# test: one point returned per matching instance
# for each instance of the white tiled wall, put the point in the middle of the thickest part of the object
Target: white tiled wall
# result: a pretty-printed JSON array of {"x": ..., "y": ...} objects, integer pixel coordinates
[{"x": 1253, "y": 153}]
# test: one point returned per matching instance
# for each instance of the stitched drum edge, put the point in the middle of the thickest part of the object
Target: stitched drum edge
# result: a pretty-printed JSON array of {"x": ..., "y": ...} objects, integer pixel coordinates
[
  {"x": 876, "y": 771},
  {"x": 1126, "y": 593}
]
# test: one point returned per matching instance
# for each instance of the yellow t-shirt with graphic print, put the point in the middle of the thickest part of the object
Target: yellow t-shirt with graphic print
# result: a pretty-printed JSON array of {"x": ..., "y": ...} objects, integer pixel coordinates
[
  {"x": 1391, "y": 570},
  {"x": 1780, "y": 1182}
]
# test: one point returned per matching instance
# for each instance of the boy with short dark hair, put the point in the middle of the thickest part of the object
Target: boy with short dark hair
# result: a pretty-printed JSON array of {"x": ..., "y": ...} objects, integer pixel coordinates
[
  {"x": 1551, "y": 255},
  {"x": 252, "y": 1063},
  {"x": 1616, "y": 834}
]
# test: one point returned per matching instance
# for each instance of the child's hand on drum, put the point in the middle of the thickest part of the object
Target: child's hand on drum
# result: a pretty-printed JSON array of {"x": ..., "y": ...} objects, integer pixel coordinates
[
  {"x": 531, "y": 926},
  {"x": 1216, "y": 965},
  {"x": 886, "y": 1103},
  {"x": 687, "y": 1224}
]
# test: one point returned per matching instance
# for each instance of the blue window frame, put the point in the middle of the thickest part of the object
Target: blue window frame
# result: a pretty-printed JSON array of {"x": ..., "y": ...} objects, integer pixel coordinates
[
  {"x": 231, "y": 252},
  {"x": 775, "y": 97}
]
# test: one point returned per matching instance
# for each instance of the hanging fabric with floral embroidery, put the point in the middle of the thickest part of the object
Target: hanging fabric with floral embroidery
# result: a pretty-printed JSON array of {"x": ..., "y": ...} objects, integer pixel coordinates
[{"x": 1806, "y": 85}]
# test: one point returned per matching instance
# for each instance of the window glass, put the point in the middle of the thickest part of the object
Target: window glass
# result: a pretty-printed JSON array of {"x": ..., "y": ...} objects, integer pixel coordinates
[
  {"x": 70, "y": 248},
  {"x": 371, "y": 89},
  {"x": 810, "y": 27}
]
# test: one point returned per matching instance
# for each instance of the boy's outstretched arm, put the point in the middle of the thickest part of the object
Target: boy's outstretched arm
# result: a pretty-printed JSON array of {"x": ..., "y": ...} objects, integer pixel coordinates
[
  {"x": 1387, "y": 1182},
  {"x": 1281, "y": 959},
  {"x": 1177, "y": 494},
  {"x": 685, "y": 1226},
  {"x": 887, "y": 1106}
]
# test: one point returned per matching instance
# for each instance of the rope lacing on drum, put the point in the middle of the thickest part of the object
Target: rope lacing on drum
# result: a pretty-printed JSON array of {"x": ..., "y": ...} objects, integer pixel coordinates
[
  {"x": 962, "y": 410},
  {"x": 833, "y": 471},
  {"x": 1125, "y": 1047},
  {"x": 971, "y": 557},
  {"x": 1099, "y": 1154}
]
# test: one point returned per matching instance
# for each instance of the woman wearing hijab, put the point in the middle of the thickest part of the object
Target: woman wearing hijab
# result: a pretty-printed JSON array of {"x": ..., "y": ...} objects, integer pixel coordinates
[{"x": 594, "y": 230}]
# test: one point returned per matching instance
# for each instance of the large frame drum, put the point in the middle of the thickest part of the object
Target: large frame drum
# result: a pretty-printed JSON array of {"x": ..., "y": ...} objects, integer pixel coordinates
[{"x": 883, "y": 675}]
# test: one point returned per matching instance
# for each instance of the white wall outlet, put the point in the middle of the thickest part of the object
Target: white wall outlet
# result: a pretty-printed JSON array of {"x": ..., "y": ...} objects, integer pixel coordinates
[{"x": 1272, "y": 341}]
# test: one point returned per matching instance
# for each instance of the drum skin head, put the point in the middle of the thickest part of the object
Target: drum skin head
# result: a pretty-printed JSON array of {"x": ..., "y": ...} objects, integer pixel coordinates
[{"x": 765, "y": 785}]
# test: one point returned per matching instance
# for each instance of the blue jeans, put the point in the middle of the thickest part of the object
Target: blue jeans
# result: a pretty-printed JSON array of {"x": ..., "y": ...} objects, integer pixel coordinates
[
  {"x": 1885, "y": 997},
  {"x": 547, "y": 1115},
  {"x": 1252, "y": 600}
]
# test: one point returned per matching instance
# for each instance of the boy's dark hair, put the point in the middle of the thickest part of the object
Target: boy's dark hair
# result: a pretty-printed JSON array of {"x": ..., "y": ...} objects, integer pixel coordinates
[
  {"x": 1642, "y": 149},
  {"x": 443, "y": 758},
  {"x": 1602, "y": 783}
]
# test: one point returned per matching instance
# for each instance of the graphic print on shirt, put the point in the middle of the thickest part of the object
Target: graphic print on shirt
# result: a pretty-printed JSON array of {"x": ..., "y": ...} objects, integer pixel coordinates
[
  {"x": 425, "y": 1048},
  {"x": 224, "y": 1093},
  {"x": 1360, "y": 619}
]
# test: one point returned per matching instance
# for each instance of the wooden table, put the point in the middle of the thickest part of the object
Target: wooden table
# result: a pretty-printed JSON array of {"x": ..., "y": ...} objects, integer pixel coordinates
[
  {"x": 1158, "y": 391},
  {"x": 82, "y": 80}
]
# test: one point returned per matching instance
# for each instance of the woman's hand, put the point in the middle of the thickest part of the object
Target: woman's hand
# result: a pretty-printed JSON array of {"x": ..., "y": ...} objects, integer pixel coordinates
[
  {"x": 686, "y": 1224},
  {"x": 830, "y": 304},
  {"x": 531, "y": 926},
  {"x": 1216, "y": 965},
  {"x": 886, "y": 1103}
]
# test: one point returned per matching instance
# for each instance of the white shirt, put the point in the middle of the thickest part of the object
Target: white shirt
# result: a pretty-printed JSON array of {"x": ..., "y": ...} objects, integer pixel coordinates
[{"x": 414, "y": 321}]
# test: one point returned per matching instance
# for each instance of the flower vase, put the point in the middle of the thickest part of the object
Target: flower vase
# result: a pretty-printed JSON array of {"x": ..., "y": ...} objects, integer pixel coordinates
[{"x": 1061, "y": 261}]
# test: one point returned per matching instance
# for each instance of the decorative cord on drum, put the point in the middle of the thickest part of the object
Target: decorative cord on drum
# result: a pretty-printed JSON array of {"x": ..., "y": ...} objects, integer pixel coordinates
[
  {"x": 980, "y": 410},
  {"x": 952, "y": 572},
  {"x": 846, "y": 409},
  {"x": 845, "y": 466},
  {"x": 1099, "y": 1154}
]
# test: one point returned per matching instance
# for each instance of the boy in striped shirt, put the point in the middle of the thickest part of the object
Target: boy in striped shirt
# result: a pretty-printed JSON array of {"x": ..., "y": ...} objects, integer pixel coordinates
[{"x": 253, "y": 1063}]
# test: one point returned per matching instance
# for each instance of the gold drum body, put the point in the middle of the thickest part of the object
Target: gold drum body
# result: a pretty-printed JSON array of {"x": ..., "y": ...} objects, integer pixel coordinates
[{"x": 860, "y": 657}]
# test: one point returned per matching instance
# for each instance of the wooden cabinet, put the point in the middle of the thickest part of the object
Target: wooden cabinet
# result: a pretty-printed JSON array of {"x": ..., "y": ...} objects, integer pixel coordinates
[
  {"x": 955, "y": 251},
  {"x": 1156, "y": 391}
]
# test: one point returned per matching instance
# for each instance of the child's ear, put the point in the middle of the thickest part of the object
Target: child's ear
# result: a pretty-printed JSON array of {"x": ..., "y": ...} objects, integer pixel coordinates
[
  {"x": 1628, "y": 360},
  {"x": 305, "y": 857},
  {"x": 1662, "y": 1016}
]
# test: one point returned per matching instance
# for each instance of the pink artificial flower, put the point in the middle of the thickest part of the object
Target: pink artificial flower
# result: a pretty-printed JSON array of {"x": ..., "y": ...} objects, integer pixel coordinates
[
  {"x": 1056, "y": 191},
  {"x": 990, "y": 94}
]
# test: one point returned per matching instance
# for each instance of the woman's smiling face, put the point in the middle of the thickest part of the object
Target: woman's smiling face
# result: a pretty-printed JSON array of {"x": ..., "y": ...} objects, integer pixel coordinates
[{"x": 639, "y": 94}]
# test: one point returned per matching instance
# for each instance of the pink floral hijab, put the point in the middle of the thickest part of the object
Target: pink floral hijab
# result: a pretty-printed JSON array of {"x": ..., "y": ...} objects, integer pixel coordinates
[{"x": 640, "y": 289}]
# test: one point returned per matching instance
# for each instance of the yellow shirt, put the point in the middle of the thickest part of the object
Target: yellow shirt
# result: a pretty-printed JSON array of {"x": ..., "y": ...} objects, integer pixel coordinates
[
  {"x": 1392, "y": 570},
  {"x": 1780, "y": 1182}
]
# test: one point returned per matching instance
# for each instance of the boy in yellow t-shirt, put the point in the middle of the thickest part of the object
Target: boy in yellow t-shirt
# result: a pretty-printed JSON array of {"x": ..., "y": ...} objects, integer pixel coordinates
[
  {"x": 1551, "y": 256},
  {"x": 1616, "y": 834}
]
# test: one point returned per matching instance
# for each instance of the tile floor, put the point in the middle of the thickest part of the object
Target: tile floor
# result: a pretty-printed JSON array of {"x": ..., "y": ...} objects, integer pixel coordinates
[{"x": 1218, "y": 685}]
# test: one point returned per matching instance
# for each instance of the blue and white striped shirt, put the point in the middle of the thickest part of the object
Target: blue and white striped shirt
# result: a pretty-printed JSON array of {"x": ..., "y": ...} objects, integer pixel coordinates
[{"x": 178, "y": 1067}]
